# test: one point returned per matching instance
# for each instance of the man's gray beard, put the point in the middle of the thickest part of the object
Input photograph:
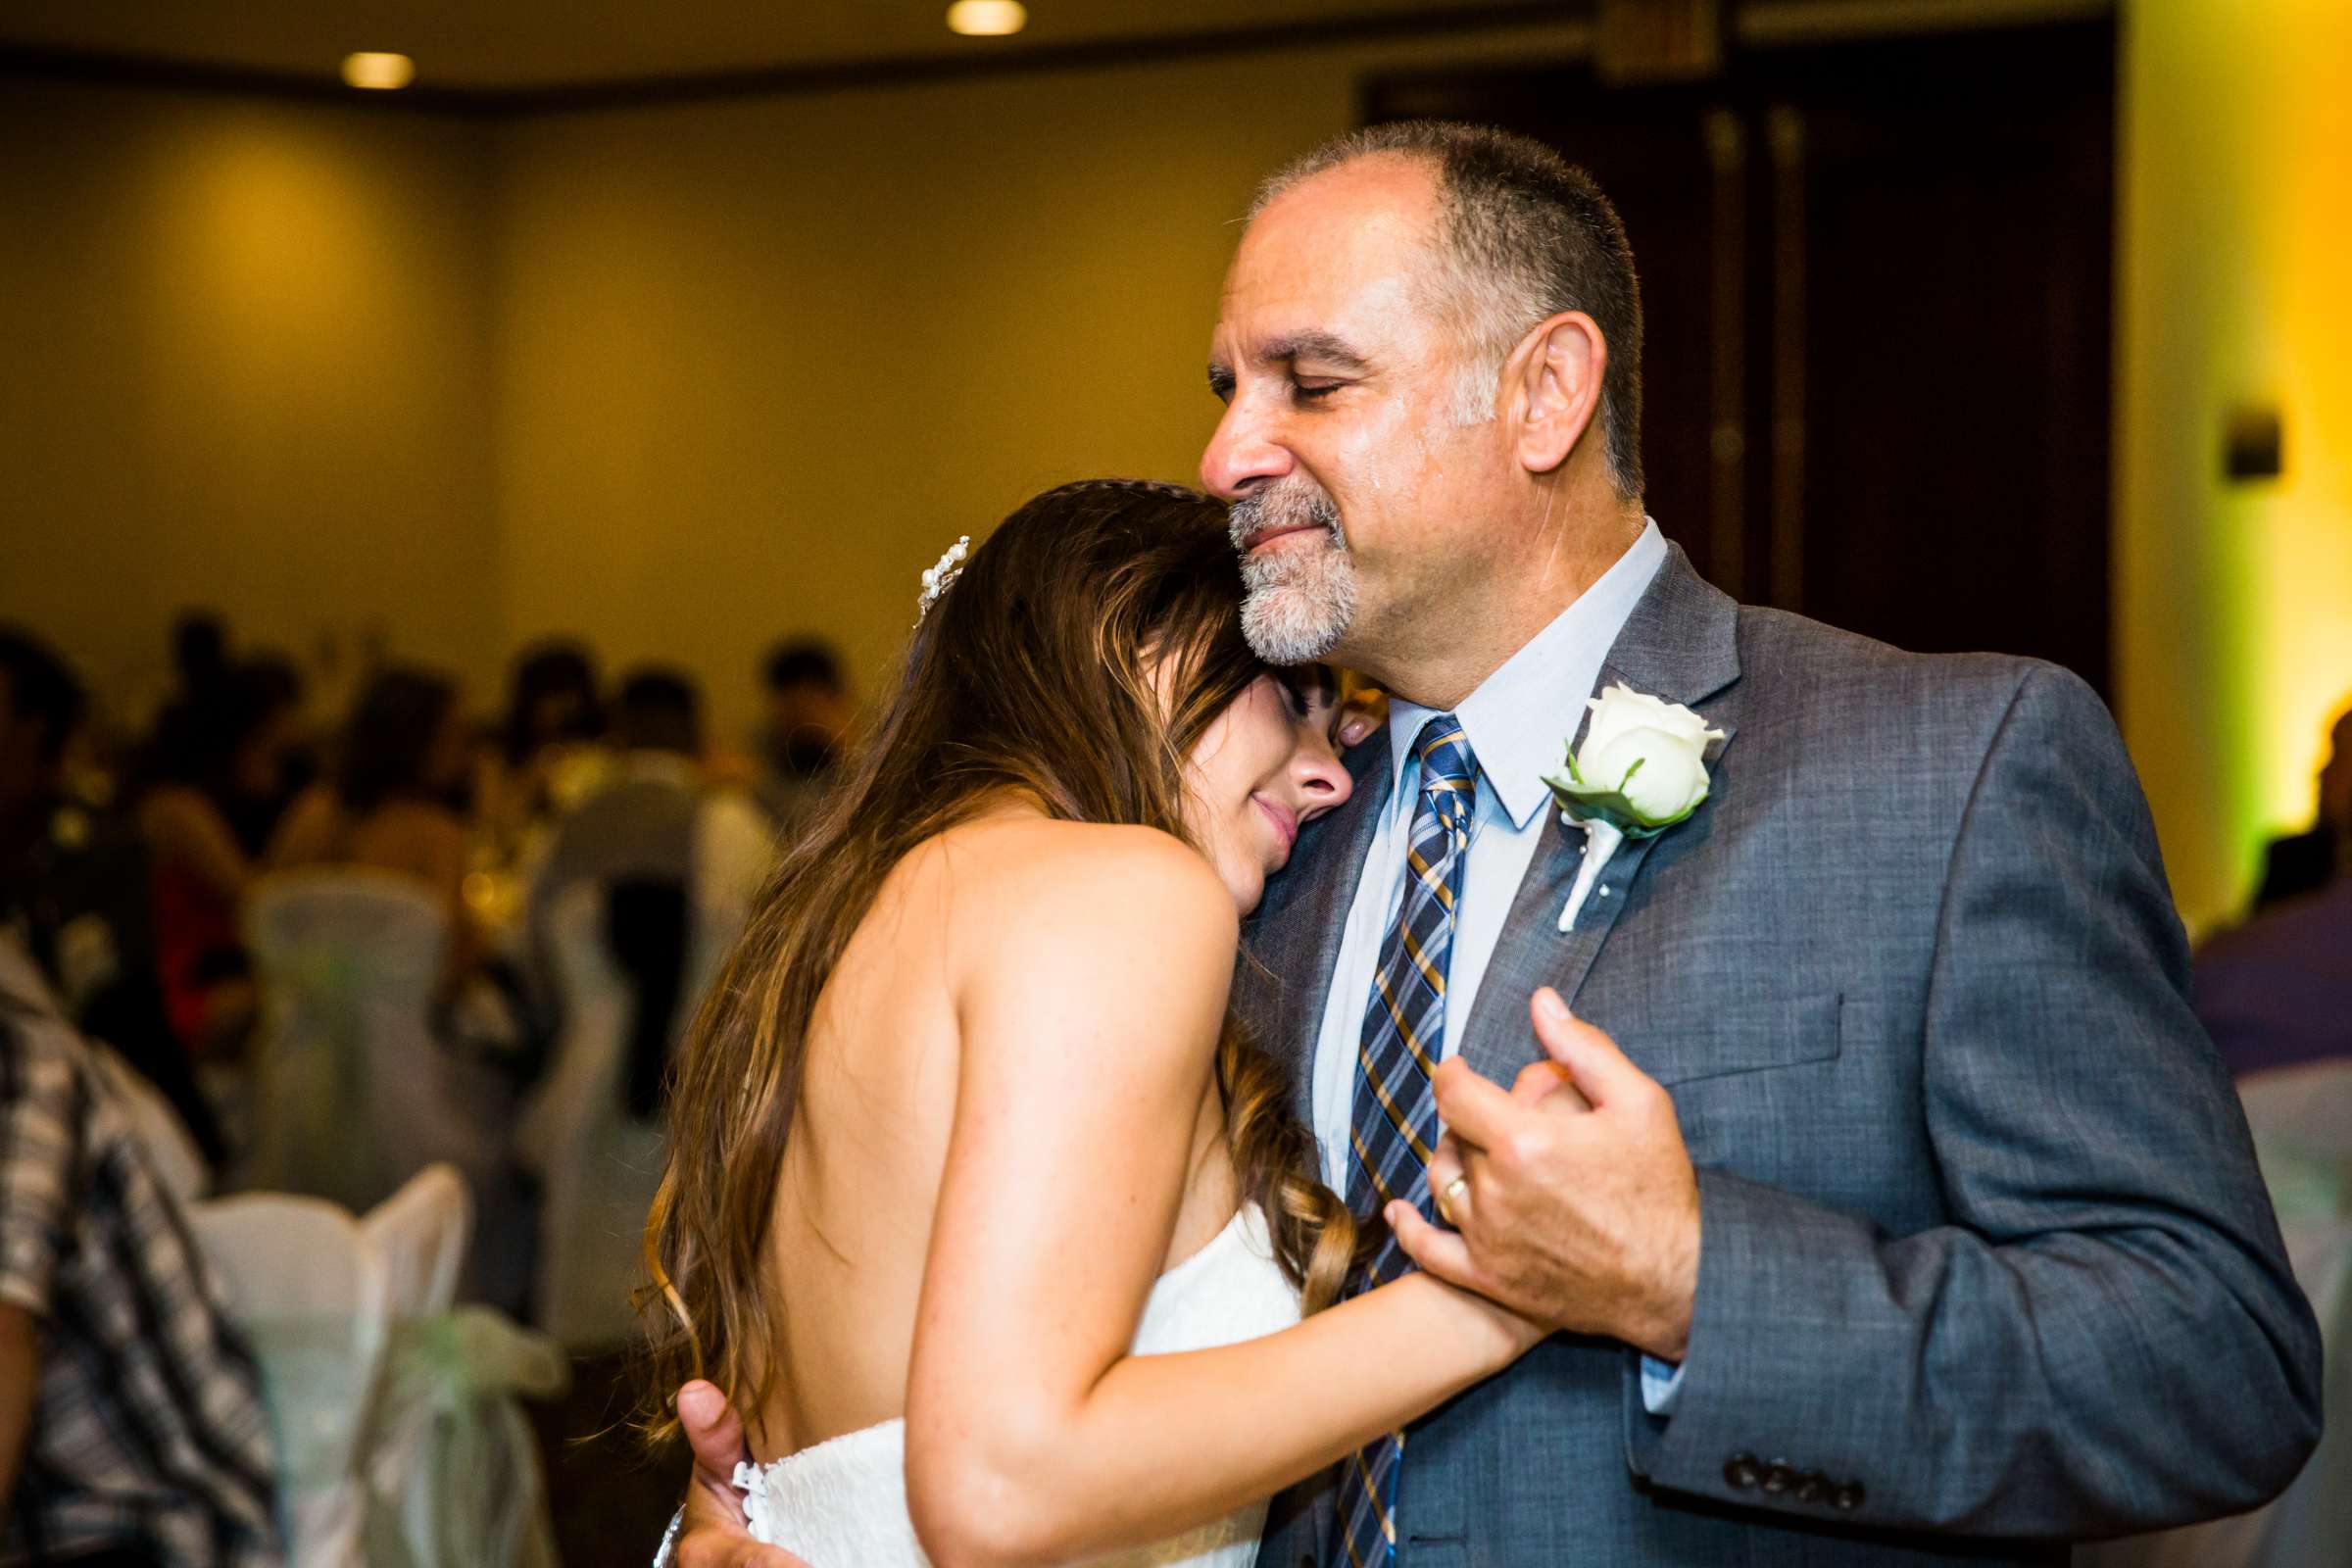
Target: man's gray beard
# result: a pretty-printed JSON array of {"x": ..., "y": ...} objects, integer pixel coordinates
[{"x": 1296, "y": 603}]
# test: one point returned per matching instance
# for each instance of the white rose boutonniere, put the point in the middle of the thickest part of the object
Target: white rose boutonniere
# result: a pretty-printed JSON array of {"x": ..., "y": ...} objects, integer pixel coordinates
[{"x": 1642, "y": 769}]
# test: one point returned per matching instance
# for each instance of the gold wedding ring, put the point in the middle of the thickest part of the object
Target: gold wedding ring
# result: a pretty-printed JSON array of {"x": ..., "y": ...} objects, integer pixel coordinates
[{"x": 1453, "y": 1188}]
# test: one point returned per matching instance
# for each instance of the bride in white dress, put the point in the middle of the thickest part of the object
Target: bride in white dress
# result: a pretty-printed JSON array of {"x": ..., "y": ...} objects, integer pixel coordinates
[{"x": 982, "y": 1209}]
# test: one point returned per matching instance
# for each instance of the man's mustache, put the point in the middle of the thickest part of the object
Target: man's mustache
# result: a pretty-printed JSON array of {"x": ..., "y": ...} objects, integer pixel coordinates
[{"x": 1281, "y": 506}]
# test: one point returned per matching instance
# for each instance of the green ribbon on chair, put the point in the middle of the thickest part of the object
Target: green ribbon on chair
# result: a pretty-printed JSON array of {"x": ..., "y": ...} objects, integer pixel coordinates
[
  {"x": 448, "y": 1413},
  {"x": 446, "y": 1464}
]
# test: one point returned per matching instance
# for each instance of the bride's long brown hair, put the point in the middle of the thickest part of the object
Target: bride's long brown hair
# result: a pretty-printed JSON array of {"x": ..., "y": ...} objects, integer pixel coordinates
[{"x": 1086, "y": 647}]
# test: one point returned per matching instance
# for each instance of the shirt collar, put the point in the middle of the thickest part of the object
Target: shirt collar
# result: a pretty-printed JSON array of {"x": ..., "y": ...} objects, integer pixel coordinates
[{"x": 1521, "y": 716}]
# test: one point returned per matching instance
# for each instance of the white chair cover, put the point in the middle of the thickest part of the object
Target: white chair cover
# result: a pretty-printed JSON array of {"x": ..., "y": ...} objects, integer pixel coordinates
[
  {"x": 2301, "y": 1117},
  {"x": 420, "y": 1233},
  {"x": 2312, "y": 1522},
  {"x": 354, "y": 1093},
  {"x": 598, "y": 1168},
  {"x": 308, "y": 1290},
  {"x": 400, "y": 1445},
  {"x": 2303, "y": 1114},
  {"x": 452, "y": 1466}
]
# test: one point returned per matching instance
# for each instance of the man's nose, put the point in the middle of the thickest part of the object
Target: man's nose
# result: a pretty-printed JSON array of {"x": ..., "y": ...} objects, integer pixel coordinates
[{"x": 1241, "y": 454}]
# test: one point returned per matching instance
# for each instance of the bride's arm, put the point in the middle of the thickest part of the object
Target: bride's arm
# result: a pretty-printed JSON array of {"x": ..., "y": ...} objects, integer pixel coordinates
[{"x": 1089, "y": 998}]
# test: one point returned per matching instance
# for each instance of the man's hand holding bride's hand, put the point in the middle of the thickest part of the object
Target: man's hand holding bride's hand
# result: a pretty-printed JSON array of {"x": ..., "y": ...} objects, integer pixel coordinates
[
  {"x": 1573, "y": 1198},
  {"x": 715, "y": 1534}
]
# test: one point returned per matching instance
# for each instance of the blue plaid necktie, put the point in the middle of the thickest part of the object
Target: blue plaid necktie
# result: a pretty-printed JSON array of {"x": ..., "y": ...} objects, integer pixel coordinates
[{"x": 1394, "y": 1127}]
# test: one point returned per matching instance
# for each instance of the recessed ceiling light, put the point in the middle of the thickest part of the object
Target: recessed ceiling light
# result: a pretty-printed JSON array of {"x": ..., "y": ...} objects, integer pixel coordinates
[
  {"x": 987, "y": 19},
  {"x": 378, "y": 71}
]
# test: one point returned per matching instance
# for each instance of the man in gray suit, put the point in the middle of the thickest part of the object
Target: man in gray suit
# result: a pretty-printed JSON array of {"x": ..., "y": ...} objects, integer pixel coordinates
[
  {"x": 1890, "y": 1202},
  {"x": 1904, "y": 1202}
]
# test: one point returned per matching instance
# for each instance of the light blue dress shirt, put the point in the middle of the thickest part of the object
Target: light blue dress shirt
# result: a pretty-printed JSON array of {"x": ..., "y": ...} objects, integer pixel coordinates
[{"x": 1517, "y": 721}]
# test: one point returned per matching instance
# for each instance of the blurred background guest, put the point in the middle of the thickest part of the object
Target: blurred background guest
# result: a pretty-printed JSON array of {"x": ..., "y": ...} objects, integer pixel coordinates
[
  {"x": 2276, "y": 992},
  {"x": 2297, "y": 863},
  {"x": 393, "y": 802},
  {"x": 658, "y": 816},
  {"x": 643, "y": 891},
  {"x": 199, "y": 655},
  {"x": 808, "y": 713},
  {"x": 663, "y": 846},
  {"x": 131, "y": 1424},
  {"x": 277, "y": 684},
  {"x": 41, "y": 708},
  {"x": 548, "y": 755},
  {"x": 211, "y": 690},
  {"x": 219, "y": 771},
  {"x": 74, "y": 881}
]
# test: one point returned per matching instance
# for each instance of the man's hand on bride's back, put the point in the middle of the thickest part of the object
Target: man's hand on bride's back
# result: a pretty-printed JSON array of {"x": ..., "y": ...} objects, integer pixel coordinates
[{"x": 715, "y": 1534}]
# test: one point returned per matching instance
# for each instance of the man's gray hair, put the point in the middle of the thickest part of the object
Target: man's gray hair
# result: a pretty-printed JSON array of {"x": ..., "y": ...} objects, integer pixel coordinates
[{"x": 1528, "y": 235}]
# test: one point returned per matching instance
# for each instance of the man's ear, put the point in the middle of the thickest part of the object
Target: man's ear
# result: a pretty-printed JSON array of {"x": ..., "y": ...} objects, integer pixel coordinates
[{"x": 1554, "y": 376}]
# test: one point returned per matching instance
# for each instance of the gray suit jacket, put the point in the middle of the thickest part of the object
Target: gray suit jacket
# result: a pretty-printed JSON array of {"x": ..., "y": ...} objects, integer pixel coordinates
[{"x": 1984, "y": 1255}]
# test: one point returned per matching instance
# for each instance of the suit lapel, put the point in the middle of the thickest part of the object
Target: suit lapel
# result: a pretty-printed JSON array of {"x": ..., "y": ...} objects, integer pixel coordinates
[
  {"x": 1680, "y": 643},
  {"x": 1293, "y": 941}
]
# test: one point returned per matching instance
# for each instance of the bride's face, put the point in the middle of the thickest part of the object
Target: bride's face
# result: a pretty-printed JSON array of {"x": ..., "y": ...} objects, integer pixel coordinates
[{"x": 1267, "y": 766}]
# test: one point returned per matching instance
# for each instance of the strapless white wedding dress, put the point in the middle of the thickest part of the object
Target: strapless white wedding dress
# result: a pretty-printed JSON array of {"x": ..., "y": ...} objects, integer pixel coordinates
[{"x": 843, "y": 1504}]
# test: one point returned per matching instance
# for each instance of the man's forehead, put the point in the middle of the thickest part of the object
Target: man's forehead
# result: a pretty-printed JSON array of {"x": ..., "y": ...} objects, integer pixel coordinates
[{"x": 1332, "y": 254}]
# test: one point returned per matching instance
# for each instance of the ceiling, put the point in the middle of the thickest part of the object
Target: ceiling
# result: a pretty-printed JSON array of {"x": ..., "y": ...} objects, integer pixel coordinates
[{"x": 525, "y": 46}]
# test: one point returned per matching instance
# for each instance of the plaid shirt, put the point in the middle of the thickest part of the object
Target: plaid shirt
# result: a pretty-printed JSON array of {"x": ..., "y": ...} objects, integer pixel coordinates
[{"x": 147, "y": 1433}]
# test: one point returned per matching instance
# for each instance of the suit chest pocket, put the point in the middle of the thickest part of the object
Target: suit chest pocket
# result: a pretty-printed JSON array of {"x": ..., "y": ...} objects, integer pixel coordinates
[{"x": 1706, "y": 1039}]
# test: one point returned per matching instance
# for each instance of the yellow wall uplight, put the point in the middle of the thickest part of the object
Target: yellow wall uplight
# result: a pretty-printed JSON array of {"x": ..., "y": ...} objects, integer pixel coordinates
[{"x": 2234, "y": 601}]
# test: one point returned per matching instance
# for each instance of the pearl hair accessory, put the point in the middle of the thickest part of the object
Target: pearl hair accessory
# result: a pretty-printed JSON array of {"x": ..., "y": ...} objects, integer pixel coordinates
[{"x": 938, "y": 579}]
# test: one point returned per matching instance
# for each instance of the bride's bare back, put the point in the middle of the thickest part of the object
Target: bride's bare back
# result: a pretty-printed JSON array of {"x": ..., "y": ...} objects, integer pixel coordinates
[
  {"x": 1008, "y": 1129},
  {"x": 847, "y": 1248}
]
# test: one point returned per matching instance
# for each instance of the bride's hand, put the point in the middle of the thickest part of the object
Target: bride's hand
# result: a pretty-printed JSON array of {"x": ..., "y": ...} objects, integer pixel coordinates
[
  {"x": 1502, "y": 1334},
  {"x": 715, "y": 1534},
  {"x": 1516, "y": 1334}
]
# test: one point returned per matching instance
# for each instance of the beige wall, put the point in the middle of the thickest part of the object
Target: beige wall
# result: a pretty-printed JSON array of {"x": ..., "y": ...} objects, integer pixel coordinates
[{"x": 248, "y": 350}]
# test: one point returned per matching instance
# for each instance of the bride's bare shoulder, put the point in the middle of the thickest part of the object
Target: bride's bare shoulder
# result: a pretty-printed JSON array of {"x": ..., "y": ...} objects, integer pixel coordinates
[{"x": 1084, "y": 885}]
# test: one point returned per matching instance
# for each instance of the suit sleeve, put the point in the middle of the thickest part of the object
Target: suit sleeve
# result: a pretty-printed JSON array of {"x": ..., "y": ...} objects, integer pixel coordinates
[{"x": 2105, "y": 1338}]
